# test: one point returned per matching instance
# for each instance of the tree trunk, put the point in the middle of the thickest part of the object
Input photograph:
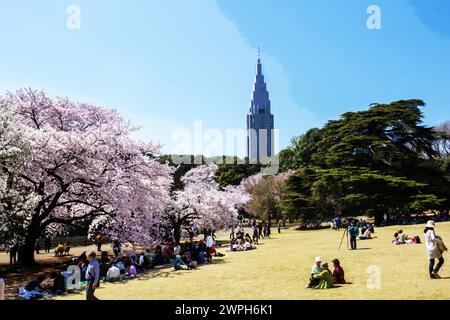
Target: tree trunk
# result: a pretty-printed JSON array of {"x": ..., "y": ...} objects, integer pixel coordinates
[
  {"x": 177, "y": 234},
  {"x": 26, "y": 252}
]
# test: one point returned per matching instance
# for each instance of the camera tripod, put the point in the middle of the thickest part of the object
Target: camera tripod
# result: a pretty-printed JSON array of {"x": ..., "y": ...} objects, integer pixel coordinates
[{"x": 345, "y": 234}]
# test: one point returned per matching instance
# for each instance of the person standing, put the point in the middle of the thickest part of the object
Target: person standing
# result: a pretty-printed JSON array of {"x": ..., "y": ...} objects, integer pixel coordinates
[
  {"x": 433, "y": 243},
  {"x": 13, "y": 254},
  {"x": 337, "y": 221},
  {"x": 37, "y": 247},
  {"x": 47, "y": 244},
  {"x": 279, "y": 226},
  {"x": 353, "y": 231},
  {"x": 92, "y": 276},
  {"x": 116, "y": 248},
  {"x": 231, "y": 233},
  {"x": 209, "y": 244},
  {"x": 255, "y": 234}
]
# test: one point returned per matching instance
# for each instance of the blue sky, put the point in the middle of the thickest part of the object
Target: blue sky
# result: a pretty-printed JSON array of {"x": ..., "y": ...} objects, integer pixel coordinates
[{"x": 166, "y": 64}]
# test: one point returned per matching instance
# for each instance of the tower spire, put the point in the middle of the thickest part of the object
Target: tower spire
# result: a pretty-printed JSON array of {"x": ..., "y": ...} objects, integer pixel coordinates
[{"x": 259, "y": 67}]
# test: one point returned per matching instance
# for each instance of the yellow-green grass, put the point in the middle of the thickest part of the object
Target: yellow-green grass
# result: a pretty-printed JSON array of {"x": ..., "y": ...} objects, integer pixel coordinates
[{"x": 280, "y": 267}]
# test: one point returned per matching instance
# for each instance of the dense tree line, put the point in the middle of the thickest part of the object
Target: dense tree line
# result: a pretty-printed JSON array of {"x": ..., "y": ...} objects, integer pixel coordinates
[{"x": 381, "y": 160}]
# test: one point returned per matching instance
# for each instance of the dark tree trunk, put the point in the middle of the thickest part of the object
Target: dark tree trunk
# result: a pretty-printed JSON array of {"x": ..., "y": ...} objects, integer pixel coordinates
[
  {"x": 26, "y": 252},
  {"x": 177, "y": 234}
]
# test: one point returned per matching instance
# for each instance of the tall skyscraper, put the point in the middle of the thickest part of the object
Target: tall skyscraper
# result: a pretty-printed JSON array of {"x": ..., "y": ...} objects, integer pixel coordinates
[{"x": 260, "y": 123}]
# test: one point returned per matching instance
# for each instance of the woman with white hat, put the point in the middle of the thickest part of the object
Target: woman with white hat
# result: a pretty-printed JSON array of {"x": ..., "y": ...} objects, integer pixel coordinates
[
  {"x": 432, "y": 241},
  {"x": 316, "y": 269}
]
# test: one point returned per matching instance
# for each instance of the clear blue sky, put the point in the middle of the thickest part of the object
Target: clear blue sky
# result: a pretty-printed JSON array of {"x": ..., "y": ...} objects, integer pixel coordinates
[{"x": 165, "y": 64}]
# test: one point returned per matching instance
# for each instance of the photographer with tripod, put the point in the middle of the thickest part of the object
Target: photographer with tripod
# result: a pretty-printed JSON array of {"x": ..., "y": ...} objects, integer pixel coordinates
[{"x": 353, "y": 231}]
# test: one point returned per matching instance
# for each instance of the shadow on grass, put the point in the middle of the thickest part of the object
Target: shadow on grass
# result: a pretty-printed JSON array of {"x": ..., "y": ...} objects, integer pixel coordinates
[{"x": 167, "y": 271}]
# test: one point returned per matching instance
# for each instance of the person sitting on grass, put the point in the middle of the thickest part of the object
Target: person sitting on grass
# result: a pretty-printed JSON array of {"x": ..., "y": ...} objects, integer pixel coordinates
[
  {"x": 401, "y": 238},
  {"x": 132, "y": 271},
  {"x": 249, "y": 246},
  {"x": 59, "y": 284},
  {"x": 113, "y": 274},
  {"x": 338, "y": 272},
  {"x": 180, "y": 264},
  {"x": 325, "y": 277},
  {"x": 316, "y": 269},
  {"x": 367, "y": 235},
  {"x": 216, "y": 253},
  {"x": 121, "y": 266},
  {"x": 236, "y": 245},
  {"x": 142, "y": 263},
  {"x": 33, "y": 290}
]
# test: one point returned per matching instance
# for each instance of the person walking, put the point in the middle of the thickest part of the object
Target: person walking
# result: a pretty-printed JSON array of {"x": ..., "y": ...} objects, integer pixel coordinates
[
  {"x": 435, "y": 247},
  {"x": 92, "y": 276}
]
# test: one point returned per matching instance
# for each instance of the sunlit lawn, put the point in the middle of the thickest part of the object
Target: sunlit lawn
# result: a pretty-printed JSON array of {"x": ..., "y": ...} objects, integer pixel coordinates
[{"x": 280, "y": 267}]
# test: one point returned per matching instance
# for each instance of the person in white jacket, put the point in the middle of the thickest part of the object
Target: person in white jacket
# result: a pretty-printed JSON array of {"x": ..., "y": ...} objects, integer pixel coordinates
[{"x": 431, "y": 242}]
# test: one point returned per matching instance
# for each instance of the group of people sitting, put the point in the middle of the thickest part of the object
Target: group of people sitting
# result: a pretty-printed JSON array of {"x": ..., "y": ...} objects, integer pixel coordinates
[
  {"x": 44, "y": 286},
  {"x": 192, "y": 254},
  {"x": 323, "y": 278},
  {"x": 401, "y": 238},
  {"x": 260, "y": 231},
  {"x": 367, "y": 230},
  {"x": 243, "y": 242}
]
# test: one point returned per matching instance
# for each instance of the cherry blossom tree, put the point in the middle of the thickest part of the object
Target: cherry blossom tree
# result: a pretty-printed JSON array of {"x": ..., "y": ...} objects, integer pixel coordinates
[
  {"x": 266, "y": 194},
  {"x": 201, "y": 204},
  {"x": 15, "y": 200},
  {"x": 82, "y": 165}
]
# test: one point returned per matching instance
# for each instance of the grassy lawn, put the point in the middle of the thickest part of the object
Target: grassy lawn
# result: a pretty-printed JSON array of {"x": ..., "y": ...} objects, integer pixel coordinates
[{"x": 280, "y": 268}]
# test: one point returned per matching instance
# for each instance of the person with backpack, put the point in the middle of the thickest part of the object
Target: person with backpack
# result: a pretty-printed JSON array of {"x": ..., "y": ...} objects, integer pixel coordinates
[{"x": 435, "y": 247}]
